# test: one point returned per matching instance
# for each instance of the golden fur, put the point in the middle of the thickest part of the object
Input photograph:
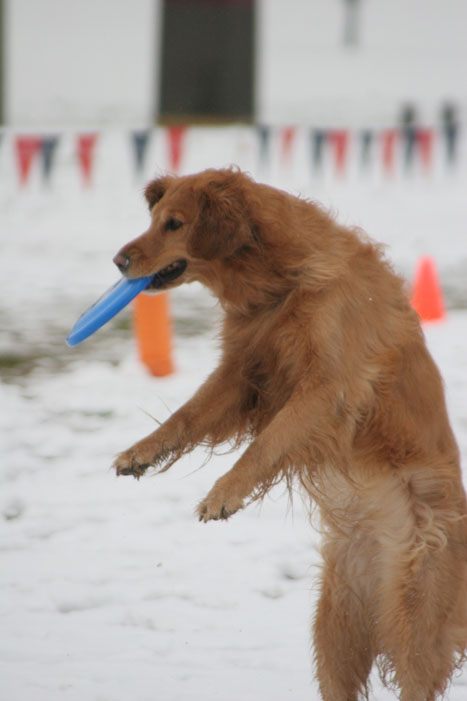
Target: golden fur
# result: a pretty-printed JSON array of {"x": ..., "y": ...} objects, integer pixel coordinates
[{"x": 325, "y": 372}]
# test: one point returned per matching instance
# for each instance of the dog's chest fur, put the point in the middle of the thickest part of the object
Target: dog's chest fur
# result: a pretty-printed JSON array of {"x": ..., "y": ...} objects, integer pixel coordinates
[{"x": 267, "y": 356}]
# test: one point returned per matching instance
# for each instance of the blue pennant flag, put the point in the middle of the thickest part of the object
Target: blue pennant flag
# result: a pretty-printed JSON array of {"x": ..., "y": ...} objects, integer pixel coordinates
[
  {"x": 318, "y": 143},
  {"x": 451, "y": 133},
  {"x": 48, "y": 148},
  {"x": 409, "y": 135},
  {"x": 366, "y": 147},
  {"x": 264, "y": 135},
  {"x": 140, "y": 145}
]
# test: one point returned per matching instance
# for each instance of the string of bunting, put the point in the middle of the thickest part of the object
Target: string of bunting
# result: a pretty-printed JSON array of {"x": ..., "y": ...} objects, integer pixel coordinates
[
  {"x": 392, "y": 148},
  {"x": 30, "y": 148}
]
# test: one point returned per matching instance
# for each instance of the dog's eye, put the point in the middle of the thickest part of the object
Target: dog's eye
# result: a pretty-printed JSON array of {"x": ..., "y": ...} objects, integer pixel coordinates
[{"x": 173, "y": 224}]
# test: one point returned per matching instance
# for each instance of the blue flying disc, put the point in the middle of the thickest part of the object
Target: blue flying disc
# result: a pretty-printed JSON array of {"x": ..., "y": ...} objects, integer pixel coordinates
[{"x": 106, "y": 307}]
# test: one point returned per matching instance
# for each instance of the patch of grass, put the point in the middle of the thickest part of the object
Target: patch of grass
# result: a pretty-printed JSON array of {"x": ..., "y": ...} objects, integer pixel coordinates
[
  {"x": 14, "y": 365},
  {"x": 9, "y": 361}
]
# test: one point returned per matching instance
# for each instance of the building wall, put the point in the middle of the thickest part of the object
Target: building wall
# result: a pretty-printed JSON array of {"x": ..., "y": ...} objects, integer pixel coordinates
[
  {"x": 408, "y": 50},
  {"x": 95, "y": 62},
  {"x": 80, "y": 61}
]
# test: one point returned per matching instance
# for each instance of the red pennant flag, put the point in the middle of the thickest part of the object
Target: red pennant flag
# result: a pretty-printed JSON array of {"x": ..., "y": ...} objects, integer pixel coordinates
[
  {"x": 389, "y": 140},
  {"x": 425, "y": 139},
  {"x": 176, "y": 136},
  {"x": 287, "y": 139},
  {"x": 340, "y": 142},
  {"x": 85, "y": 147},
  {"x": 27, "y": 147}
]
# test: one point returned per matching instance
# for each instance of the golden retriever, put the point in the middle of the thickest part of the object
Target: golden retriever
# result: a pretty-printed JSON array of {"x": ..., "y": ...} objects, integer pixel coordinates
[{"x": 325, "y": 372}]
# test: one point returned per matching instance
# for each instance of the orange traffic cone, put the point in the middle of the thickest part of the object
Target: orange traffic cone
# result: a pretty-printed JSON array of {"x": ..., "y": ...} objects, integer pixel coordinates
[
  {"x": 153, "y": 330},
  {"x": 427, "y": 296}
]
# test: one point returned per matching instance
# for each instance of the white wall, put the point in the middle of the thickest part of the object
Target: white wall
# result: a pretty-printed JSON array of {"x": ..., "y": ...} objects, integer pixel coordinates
[
  {"x": 73, "y": 62},
  {"x": 80, "y": 61}
]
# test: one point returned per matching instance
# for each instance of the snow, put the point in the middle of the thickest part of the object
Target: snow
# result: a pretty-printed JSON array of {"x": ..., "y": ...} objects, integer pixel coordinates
[{"x": 110, "y": 588}]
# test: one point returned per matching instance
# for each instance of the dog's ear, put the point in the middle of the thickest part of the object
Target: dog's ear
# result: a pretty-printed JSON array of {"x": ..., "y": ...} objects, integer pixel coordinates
[
  {"x": 221, "y": 226},
  {"x": 155, "y": 190}
]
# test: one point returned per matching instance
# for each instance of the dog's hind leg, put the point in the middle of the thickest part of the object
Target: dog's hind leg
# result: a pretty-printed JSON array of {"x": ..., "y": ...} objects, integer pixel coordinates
[
  {"x": 420, "y": 609},
  {"x": 343, "y": 649},
  {"x": 421, "y": 624}
]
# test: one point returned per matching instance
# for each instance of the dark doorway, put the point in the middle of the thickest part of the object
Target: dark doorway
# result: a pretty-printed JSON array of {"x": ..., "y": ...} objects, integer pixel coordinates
[{"x": 207, "y": 61}]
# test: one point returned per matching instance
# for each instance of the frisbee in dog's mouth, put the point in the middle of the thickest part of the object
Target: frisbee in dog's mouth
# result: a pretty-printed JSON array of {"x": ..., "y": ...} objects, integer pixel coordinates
[{"x": 168, "y": 274}]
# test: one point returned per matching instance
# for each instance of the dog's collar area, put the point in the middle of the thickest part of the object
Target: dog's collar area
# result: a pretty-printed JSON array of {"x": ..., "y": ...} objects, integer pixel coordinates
[{"x": 168, "y": 274}]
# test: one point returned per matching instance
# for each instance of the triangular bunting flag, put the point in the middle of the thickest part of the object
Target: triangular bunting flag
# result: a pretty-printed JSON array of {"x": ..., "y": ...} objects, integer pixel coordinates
[
  {"x": 140, "y": 143},
  {"x": 287, "y": 139},
  {"x": 27, "y": 148},
  {"x": 450, "y": 133},
  {"x": 389, "y": 140},
  {"x": 48, "y": 148},
  {"x": 410, "y": 137},
  {"x": 264, "y": 136},
  {"x": 176, "y": 138},
  {"x": 366, "y": 143},
  {"x": 339, "y": 139},
  {"x": 425, "y": 139},
  {"x": 318, "y": 142},
  {"x": 85, "y": 148}
]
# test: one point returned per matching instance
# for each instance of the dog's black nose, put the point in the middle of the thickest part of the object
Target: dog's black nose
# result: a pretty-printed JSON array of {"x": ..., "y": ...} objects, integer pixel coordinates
[{"x": 122, "y": 262}]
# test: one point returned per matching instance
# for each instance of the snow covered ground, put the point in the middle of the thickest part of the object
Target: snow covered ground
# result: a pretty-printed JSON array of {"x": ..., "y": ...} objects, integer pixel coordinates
[{"x": 110, "y": 588}]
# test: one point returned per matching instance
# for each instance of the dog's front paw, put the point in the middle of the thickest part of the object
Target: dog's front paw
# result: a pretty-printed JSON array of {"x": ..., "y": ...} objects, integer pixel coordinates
[
  {"x": 130, "y": 463},
  {"x": 152, "y": 451},
  {"x": 217, "y": 506}
]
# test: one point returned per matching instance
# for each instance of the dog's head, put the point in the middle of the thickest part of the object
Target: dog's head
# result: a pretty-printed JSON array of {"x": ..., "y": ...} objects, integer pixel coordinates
[{"x": 195, "y": 220}]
